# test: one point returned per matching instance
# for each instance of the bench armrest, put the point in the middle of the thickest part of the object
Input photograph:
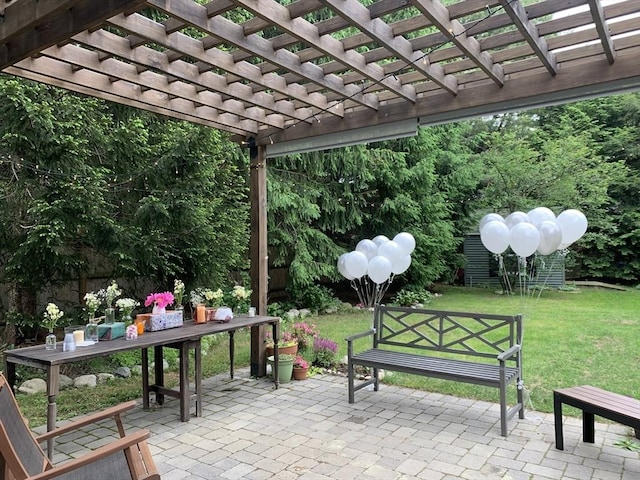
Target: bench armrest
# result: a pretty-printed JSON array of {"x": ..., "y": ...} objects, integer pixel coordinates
[
  {"x": 360, "y": 335},
  {"x": 509, "y": 353}
]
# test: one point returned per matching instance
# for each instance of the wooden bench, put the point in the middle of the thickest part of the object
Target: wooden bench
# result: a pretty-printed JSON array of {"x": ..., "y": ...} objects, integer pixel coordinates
[
  {"x": 594, "y": 401},
  {"x": 464, "y": 347}
]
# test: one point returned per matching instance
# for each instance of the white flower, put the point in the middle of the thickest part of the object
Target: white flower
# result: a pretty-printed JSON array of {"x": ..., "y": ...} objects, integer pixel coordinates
[
  {"x": 112, "y": 293},
  {"x": 127, "y": 304},
  {"x": 51, "y": 316},
  {"x": 92, "y": 301},
  {"x": 240, "y": 292}
]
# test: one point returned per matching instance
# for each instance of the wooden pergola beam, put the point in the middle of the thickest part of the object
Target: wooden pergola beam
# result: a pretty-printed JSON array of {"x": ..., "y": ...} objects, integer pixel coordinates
[{"x": 603, "y": 31}]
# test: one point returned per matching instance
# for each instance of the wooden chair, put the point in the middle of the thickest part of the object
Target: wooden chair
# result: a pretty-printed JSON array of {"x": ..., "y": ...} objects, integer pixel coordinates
[{"x": 21, "y": 456}]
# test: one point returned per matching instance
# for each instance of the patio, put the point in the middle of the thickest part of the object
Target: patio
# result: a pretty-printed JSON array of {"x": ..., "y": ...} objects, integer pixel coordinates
[{"x": 308, "y": 430}]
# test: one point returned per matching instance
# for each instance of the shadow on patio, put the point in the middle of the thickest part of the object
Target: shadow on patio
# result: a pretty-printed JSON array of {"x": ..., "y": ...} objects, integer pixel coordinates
[{"x": 308, "y": 430}]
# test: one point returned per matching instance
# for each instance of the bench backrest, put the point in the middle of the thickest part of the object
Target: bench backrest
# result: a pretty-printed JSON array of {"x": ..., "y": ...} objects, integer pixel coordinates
[{"x": 474, "y": 334}]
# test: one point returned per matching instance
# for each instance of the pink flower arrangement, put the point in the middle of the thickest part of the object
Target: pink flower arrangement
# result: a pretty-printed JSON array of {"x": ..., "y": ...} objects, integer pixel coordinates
[
  {"x": 162, "y": 300},
  {"x": 300, "y": 362}
]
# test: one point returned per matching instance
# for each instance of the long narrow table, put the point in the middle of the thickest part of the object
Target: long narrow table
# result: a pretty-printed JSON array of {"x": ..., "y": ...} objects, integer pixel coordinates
[{"x": 183, "y": 338}]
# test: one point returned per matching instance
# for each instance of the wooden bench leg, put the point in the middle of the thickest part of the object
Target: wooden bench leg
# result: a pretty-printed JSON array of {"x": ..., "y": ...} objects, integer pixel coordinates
[
  {"x": 350, "y": 380},
  {"x": 557, "y": 416},
  {"x": 588, "y": 427}
]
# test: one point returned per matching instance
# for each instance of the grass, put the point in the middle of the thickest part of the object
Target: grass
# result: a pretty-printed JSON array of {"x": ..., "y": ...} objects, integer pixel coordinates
[{"x": 591, "y": 336}]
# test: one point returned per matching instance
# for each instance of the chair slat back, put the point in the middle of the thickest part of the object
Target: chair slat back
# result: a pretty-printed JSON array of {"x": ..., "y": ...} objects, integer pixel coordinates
[{"x": 27, "y": 451}]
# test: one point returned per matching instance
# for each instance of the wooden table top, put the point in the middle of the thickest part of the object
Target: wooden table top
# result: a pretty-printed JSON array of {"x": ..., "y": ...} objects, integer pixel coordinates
[{"x": 189, "y": 331}]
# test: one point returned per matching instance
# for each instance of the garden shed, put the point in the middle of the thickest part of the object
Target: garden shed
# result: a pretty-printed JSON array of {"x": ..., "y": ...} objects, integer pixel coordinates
[{"x": 482, "y": 267}]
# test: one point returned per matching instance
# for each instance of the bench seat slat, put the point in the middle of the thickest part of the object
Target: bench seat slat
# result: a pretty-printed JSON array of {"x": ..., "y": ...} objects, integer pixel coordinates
[{"x": 445, "y": 368}]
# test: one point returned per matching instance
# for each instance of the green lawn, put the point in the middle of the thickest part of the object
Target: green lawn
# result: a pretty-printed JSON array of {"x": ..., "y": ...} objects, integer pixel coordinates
[{"x": 591, "y": 336}]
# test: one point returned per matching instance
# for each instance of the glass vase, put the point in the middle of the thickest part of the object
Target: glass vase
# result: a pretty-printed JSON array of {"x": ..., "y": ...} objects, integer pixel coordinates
[
  {"x": 126, "y": 317},
  {"x": 50, "y": 341},
  {"x": 109, "y": 315},
  {"x": 91, "y": 330}
]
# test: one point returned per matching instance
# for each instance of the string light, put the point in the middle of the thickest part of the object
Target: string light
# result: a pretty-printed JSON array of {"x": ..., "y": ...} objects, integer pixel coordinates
[{"x": 423, "y": 59}]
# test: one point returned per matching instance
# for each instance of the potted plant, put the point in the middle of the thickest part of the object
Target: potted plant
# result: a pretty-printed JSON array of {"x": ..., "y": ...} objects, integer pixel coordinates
[
  {"x": 285, "y": 366},
  {"x": 287, "y": 344},
  {"x": 300, "y": 368}
]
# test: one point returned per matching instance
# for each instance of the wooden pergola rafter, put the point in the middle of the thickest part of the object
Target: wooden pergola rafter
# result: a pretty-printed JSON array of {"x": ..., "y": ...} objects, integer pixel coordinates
[{"x": 271, "y": 75}]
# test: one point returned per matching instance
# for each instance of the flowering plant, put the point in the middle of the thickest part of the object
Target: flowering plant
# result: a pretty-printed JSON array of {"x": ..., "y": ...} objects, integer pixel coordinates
[
  {"x": 286, "y": 340},
  {"x": 127, "y": 305},
  {"x": 305, "y": 334},
  {"x": 178, "y": 291},
  {"x": 51, "y": 316},
  {"x": 324, "y": 352},
  {"x": 213, "y": 298},
  {"x": 92, "y": 302},
  {"x": 159, "y": 299},
  {"x": 300, "y": 362}
]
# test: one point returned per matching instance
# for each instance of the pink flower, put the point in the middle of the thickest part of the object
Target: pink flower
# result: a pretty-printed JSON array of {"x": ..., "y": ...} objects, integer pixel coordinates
[{"x": 159, "y": 299}]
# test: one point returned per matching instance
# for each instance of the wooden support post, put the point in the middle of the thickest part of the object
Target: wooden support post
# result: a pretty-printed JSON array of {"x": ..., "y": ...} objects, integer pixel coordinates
[{"x": 258, "y": 248}]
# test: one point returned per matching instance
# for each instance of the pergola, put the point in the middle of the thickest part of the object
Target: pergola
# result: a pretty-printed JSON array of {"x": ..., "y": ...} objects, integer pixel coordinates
[{"x": 281, "y": 81}]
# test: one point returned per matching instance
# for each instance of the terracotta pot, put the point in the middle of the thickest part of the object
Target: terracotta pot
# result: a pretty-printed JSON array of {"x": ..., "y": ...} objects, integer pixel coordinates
[
  {"x": 292, "y": 350},
  {"x": 300, "y": 373}
]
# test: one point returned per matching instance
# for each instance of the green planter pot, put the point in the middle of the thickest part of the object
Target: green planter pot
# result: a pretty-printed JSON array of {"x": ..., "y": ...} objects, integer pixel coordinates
[{"x": 285, "y": 367}]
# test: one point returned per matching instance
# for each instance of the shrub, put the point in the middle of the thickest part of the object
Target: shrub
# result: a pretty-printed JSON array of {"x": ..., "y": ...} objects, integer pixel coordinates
[
  {"x": 408, "y": 297},
  {"x": 314, "y": 297},
  {"x": 324, "y": 352}
]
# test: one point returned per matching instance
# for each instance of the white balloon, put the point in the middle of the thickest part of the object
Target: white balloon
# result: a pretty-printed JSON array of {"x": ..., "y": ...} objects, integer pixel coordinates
[
  {"x": 490, "y": 217},
  {"x": 342, "y": 266},
  {"x": 380, "y": 239},
  {"x": 406, "y": 242},
  {"x": 356, "y": 264},
  {"x": 390, "y": 250},
  {"x": 550, "y": 237},
  {"x": 401, "y": 265},
  {"x": 540, "y": 214},
  {"x": 495, "y": 236},
  {"x": 367, "y": 247},
  {"x": 379, "y": 269},
  {"x": 515, "y": 218},
  {"x": 573, "y": 224},
  {"x": 524, "y": 239}
]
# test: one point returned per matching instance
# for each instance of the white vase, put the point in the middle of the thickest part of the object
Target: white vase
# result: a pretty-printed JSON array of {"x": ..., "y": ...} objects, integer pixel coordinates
[{"x": 158, "y": 310}]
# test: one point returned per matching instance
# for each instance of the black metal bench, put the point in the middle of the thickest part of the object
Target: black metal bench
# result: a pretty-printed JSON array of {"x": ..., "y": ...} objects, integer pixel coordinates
[
  {"x": 595, "y": 401},
  {"x": 465, "y": 347}
]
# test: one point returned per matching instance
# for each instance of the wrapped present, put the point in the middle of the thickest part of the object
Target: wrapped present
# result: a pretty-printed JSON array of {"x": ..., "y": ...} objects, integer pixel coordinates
[
  {"x": 111, "y": 331},
  {"x": 162, "y": 321}
]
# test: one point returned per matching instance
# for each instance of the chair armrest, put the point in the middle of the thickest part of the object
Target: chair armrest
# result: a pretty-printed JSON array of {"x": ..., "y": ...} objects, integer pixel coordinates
[
  {"x": 111, "y": 412},
  {"x": 509, "y": 353},
  {"x": 87, "y": 461},
  {"x": 360, "y": 335}
]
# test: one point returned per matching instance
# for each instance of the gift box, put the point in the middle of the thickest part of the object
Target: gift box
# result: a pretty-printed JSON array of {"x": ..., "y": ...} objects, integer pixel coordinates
[
  {"x": 111, "y": 331},
  {"x": 163, "y": 321}
]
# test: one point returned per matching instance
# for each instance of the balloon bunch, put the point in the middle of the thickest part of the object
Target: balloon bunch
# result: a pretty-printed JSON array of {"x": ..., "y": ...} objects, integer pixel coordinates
[
  {"x": 538, "y": 231},
  {"x": 372, "y": 266}
]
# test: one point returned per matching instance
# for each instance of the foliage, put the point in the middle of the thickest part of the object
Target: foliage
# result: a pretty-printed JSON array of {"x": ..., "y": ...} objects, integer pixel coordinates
[
  {"x": 305, "y": 334},
  {"x": 409, "y": 297},
  {"x": 81, "y": 179},
  {"x": 317, "y": 298}
]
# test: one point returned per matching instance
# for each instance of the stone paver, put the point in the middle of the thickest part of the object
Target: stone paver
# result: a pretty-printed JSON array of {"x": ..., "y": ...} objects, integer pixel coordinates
[{"x": 307, "y": 430}]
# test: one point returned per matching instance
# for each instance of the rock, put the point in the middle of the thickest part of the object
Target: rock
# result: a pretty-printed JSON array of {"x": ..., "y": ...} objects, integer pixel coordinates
[
  {"x": 105, "y": 377},
  {"x": 331, "y": 310},
  {"x": 86, "y": 381},
  {"x": 136, "y": 370},
  {"x": 344, "y": 360},
  {"x": 292, "y": 314},
  {"x": 123, "y": 372},
  {"x": 35, "y": 385},
  {"x": 304, "y": 312},
  {"x": 65, "y": 382},
  {"x": 165, "y": 365}
]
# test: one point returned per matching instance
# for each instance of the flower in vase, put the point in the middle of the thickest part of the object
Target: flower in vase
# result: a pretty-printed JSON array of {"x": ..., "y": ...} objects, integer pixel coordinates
[
  {"x": 126, "y": 306},
  {"x": 178, "y": 291},
  {"x": 213, "y": 298},
  {"x": 161, "y": 300},
  {"x": 51, "y": 316},
  {"x": 112, "y": 292},
  {"x": 240, "y": 298},
  {"x": 92, "y": 302}
]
